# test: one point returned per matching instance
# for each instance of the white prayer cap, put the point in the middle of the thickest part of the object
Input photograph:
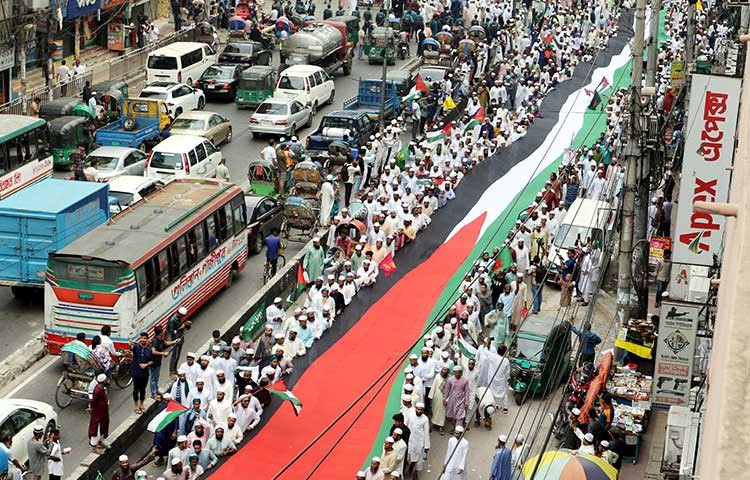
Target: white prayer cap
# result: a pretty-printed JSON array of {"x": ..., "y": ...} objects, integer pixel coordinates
[
  {"x": 503, "y": 438},
  {"x": 408, "y": 370},
  {"x": 361, "y": 475},
  {"x": 425, "y": 349},
  {"x": 176, "y": 461},
  {"x": 413, "y": 357},
  {"x": 398, "y": 431},
  {"x": 182, "y": 438},
  {"x": 459, "y": 428},
  {"x": 376, "y": 459},
  {"x": 409, "y": 376},
  {"x": 419, "y": 405},
  {"x": 279, "y": 336},
  {"x": 293, "y": 329},
  {"x": 390, "y": 440},
  {"x": 519, "y": 438},
  {"x": 589, "y": 437},
  {"x": 123, "y": 458},
  {"x": 182, "y": 311},
  {"x": 445, "y": 355},
  {"x": 200, "y": 379},
  {"x": 604, "y": 444},
  {"x": 426, "y": 336},
  {"x": 408, "y": 387},
  {"x": 430, "y": 344},
  {"x": 454, "y": 321},
  {"x": 277, "y": 300},
  {"x": 331, "y": 277},
  {"x": 250, "y": 351},
  {"x": 439, "y": 330},
  {"x": 101, "y": 378},
  {"x": 326, "y": 308},
  {"x": 458, "y": 368},
  {"x": 575, "y": 412},
  {"x": 297, "y": 311},
  {"x": 490, "y": 410},
  {"x": 190, "y": 354},
  {"x": 216, "y": 348},
  {"x": 232, "y": 415},
  {"x": 235, "y": 340},
  {"x": 167, "y": 396},
  {"x": 406, "y": 398}
]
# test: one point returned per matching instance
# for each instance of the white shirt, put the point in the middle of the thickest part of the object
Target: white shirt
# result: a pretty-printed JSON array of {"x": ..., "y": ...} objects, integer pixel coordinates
[
  {"x": 269, "y": 154},
  {"x": 55, "y": 467}
]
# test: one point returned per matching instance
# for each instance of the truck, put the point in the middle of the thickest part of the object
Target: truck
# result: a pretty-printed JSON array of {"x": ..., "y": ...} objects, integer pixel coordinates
[
  {"x": 369, "y": 95},
  {"x": 357, "y": 124},
  {"x": 324, "y": 44},
  {"x": 139, "y": 126},
  {"x": 42, "y": 219}
]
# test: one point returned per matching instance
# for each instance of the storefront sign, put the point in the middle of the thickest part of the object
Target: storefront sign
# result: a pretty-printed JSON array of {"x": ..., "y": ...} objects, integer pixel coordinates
[
  {"x": 677, "y": 70},
  {"x": 689, "y": 283},
  {"x": 709, "y": 148},
  {"x": 79, "y": 8},
  {"x": 7, "y": 58},
  {"x": 116, "y": 36},
  {"x": 673, "y": 368},
  {"x": 656, "y": 248}
]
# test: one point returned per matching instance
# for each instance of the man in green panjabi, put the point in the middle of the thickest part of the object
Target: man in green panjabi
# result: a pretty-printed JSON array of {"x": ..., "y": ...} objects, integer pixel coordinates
[{"x": 313, "y": 262}]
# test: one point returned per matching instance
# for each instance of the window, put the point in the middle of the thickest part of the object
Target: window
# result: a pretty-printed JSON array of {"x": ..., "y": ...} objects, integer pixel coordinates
[
  {"x": 158, "y": 62},
  {"x": 200, "y": 150},
  {"x": 182, "y": 254},
  {"x": 192, "y": 248},
  {"x": 174, "y": 265},
  {"x": 192, "y": 157},
  {"x": 162, "y": 262},
  {"x": 146, "y": 279},
  {"x": 312, "y": 80},
  {"x": 230, "y": 222},
  {"x": 318, "y": 78},
  {"x": 7, "y": 428},
  {"x": 200, "y": 240},
  {"x": 191, "y": 58},
  {"x": 221, "y": 221},
  {"x": 238, "y": 205},
  {"x": 211, "y": 226},
  {"x": 295, "y": 107},
  {"x": 140, "y": 279},
  {"x": 207, "y": 51},
  {"x": 23, "y": 418},
  {"x": 165, "y": 161},
  {"x": 134, "y": 158},
  {"x": 214, "y": 121},
  {"x": 210, "y": 149}
]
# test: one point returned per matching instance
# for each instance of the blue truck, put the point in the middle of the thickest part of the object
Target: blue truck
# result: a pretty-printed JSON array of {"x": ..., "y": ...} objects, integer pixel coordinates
[
  {"x": 44, "y": 218},
  {"x": 140, "y": 125},
  {"x": 369, "y": 96}
]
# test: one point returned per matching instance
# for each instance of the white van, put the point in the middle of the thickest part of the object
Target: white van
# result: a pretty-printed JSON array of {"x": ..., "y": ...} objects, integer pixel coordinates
[
  {"x": 309, "y": 84},
  {"x": 585, "y": 219},
  {"x": 179, "y": 62},
  {"x": 183, "y": 156}
]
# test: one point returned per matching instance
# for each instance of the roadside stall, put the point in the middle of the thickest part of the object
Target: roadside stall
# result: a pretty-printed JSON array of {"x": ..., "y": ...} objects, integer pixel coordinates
[
  {"x": 637, "y": 337},
  {"x": 631, "y": 399}
]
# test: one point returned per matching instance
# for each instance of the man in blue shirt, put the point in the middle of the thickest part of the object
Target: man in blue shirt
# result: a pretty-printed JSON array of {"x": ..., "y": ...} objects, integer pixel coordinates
[
  {"x": 501, "y": 468},
  {"x": 589, "y": 340},
  {"x": 273, "y": 244}
]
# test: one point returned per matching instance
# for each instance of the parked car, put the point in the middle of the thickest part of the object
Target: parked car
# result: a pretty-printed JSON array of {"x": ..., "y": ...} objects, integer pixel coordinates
[
  {"x": 183, "y": 156},
  {"x": 263, "y": 214},
  {"x": 309, "y": 84},
  {"x": 178, "y": 96},
  {"x": 280, "y": 116},
  {"x": 246, "y": 53},
  {"x": 18, "y": 418},
  {"x": 220, "y": 81},
  {"x": 116, "y": 161},
  {"x": 208, "y": 125},
  {"x": 128, "y": 189}
]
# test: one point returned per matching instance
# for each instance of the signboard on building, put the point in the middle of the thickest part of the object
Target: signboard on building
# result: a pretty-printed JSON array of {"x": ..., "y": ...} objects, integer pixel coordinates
[
  {"x": 709, "y": 148},
  {"x": 80, "y": 8},
  {"x": 656, "y": 247},
  {"x": 673, "y": 367},
  {"x": 7, "y": 58}
]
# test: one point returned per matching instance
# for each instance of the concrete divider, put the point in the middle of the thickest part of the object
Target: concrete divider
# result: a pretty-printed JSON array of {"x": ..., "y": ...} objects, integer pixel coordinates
[{"x": 135, "y": 425}]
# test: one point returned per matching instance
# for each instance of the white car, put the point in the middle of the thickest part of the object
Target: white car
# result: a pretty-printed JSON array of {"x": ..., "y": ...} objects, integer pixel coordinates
[
  {"x": 116, "y": 161},
  {"x": 128, "y": 189},
  {"x": 18, "y": 418},
  {"x": 178, "y": 96},
  {"x": 280, "y": 116},
  {"x": 309, "y": 84}
]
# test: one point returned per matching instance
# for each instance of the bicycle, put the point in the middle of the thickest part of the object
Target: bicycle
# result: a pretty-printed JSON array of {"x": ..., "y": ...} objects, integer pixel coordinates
[
  {"x": 280, "y": 262},
  {"x": 121, "y": 370}
]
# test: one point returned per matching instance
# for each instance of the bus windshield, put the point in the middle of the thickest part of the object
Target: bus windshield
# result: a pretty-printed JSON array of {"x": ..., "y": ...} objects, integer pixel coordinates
[
  {"x": 20, "y": 149},
  {"x": 85, "y": 274}
]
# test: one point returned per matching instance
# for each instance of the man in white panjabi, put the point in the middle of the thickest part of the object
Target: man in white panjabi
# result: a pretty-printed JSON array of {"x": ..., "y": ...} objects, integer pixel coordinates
[
  {"x": 456, "y": 456},
  {"x": 419, "y": 439},
  {"x": 327, "y": 195},
  {"x": 436, "y": 399}
]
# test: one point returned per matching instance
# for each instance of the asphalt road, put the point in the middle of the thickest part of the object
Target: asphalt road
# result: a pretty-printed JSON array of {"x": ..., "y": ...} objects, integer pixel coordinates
[{"x": 27, "y": 317}]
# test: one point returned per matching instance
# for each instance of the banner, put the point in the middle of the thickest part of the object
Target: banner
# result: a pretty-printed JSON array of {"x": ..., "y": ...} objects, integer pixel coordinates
[
  {"x": 675, "y": 348},
  {"x": 254, "y": 323},
  {"x": 79, "y": 8},
  {"x": 709, "y": 148}
]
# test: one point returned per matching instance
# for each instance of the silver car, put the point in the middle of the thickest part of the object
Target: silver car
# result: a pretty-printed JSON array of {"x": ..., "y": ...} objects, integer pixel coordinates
[
  {"x": 116, "y": 161},
  {"x": 280, "y": 116}
]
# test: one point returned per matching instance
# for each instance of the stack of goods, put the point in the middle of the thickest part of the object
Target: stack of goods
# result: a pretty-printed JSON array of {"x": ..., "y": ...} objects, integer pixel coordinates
[
  {"x": 639, "y": 332},
  {"x": 628, "y": 418},
  {"x": 630, "y": 384}
]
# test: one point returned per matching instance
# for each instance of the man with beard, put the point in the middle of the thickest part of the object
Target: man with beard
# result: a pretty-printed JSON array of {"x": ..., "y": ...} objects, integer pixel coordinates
[
  {"x": 125, "y": 470},
  {"x": 265, "y": 343},
  {"x": 436, "y": 395},
  {"x": 419, "y": 440},
  {"x": 220, "y": 445},
  {"x": 176, "y": 471}
]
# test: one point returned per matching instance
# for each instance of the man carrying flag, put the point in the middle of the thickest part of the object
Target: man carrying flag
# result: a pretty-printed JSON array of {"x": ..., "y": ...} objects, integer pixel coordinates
[{"x": 280, "y": 390}]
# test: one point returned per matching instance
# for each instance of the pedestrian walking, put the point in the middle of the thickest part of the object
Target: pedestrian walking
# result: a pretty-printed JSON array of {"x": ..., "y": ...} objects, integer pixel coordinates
[
  {"x": 273, "y": 247},
  {"x": 55, "y": 461},
  {"x": 63, "y": 77},
  {"x": 501, "y": 468},
  {"x": 99, "y": 415},
  {"x": 176, "y": 327},
  {"x": 37, "y": 449},
  {"x": 663, "y": 275},
  {"x": 142, "y": 360},
  {"x": 456, "y": 455},
  {"x": 588, "y": 340},
  {"x": 222, "y": 172}
]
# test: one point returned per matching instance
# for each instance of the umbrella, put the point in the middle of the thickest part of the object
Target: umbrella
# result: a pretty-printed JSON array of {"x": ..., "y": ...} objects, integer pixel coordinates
[{"x": 560, "y": 465}]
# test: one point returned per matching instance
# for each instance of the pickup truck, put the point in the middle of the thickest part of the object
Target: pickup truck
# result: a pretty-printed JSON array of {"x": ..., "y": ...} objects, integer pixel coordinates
[
  {"x": 358, "y": 124},
  {"x": 140, "y": 124},
  {"x": 369, "y": 96}
]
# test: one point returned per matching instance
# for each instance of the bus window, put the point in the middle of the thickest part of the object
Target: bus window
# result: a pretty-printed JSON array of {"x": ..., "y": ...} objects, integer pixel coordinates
[
  {"x": 163, "y": 264},
  {"x": 239, "y": 214},
  {"x": 140, "y": 279},
  {"x": 212, "y": 240},
  {"x": 182, "y": 254},
  {"x": 150, "y": 279},
  {"x": 221, "y": 221},
  {"x": 200, "y": 240},
  {"x": 174, "y": 266},
  {"x": 230, "y": 222},
  {"x": 192, "y": 248}
]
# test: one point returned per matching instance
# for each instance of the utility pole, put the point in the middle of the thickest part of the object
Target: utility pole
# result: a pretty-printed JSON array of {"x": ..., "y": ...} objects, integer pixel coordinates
[
  {"x": 653, "y": 43},
  {"x": 690, "y": 38},
  {"x": 26, "y": 36},
  {"x": 632, "y": 154},
  {"x": 385, "y": 66}
]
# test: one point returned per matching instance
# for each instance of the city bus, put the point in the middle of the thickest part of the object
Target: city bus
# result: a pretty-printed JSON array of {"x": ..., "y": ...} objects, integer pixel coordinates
[
  {"x": 177, "y": 247},
  {"x": 25, "y": 156}
]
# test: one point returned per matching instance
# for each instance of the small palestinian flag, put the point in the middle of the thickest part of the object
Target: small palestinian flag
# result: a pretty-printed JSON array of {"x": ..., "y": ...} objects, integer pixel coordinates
[
  {"x": 279, "y": 389},
  {"x": 420, "y": 85},
  {"x": 467, "y": 349},
  {"x": 595, "y": 101},
  {"x": 166, "y": 416},
  {"x": 439, "y": 135},
  {"x": 300, "y": 286}
]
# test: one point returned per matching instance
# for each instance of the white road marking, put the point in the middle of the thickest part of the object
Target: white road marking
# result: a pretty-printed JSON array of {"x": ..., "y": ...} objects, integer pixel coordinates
[{"x": 51, "y": 359}]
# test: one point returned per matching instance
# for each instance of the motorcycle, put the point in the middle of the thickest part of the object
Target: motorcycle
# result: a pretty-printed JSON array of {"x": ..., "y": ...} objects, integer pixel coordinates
[
  {"x": 403, "y": 50},
  {"x": 575, "y": 394}
]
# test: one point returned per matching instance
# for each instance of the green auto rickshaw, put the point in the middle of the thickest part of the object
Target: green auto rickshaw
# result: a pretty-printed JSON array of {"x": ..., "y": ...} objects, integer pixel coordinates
[
  {"x": 540, "y": 358},
  {"x": 65, "y": 134},
  {"x": 112, "y": 102},
  {"x": 111, "y": 85},
  {"x": 65, "y": 106},
  {"x": 255, "y": 85},
  {"x": 383, "y": 46}
]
